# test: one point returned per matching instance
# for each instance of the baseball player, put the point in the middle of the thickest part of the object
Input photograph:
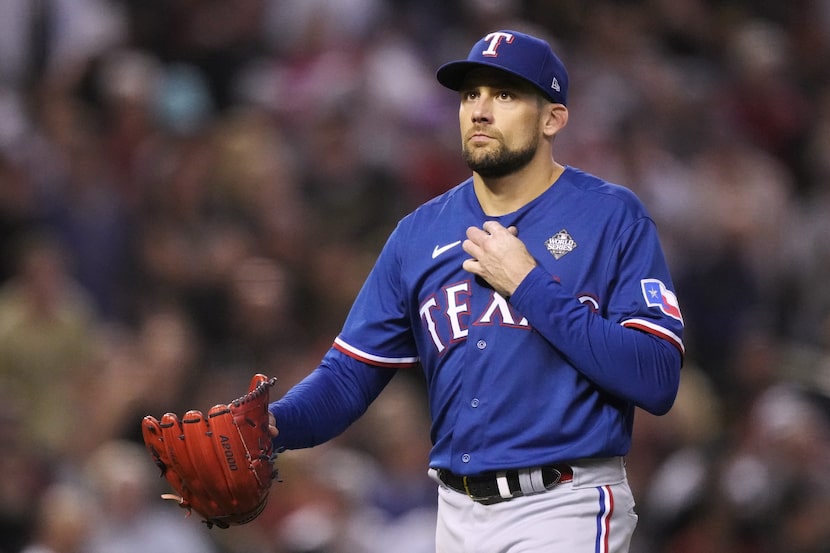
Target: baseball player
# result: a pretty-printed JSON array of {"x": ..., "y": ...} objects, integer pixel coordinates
[{"x": 536, "y": 299}]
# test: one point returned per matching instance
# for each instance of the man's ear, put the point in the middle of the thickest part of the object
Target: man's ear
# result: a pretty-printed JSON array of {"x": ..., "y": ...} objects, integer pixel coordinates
[{"x": 555, "y": 118}]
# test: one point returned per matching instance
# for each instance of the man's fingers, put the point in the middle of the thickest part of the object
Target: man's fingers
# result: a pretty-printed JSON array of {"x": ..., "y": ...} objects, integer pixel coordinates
[
  {"x": 471, "y": 266},
  {"x": 472, "y": 245},
  {"x": 488, "y": 229},
  {"x": 492, "y": 227},
  {"x": 476, "y": 234},
  {"x": 471, "y": 248},
  {"x": 497, "y": 256},
  {"x": 476, "y": 237},
  {"x": 479, "y": 235}
]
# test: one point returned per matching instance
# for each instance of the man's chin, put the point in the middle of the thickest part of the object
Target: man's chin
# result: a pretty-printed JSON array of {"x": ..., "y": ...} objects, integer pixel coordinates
[{"x": 480, "y": 158}]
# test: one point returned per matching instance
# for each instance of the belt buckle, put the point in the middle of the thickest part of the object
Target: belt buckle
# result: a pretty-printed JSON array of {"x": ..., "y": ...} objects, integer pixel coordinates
[
  {"x": 467, "y": 487},
  {"x": 485, "y": 499},
  {"x": 470, "y": 494}
]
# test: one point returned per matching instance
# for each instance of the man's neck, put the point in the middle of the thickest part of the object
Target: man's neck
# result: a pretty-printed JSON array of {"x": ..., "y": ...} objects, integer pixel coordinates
[{"x": 503, "y": 195}]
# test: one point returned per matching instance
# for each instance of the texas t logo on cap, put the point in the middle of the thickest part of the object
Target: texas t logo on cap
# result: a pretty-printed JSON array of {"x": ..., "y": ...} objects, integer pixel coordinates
[
  {"x": 519, "y": 54},
  {"x": 495, "y": 39}
]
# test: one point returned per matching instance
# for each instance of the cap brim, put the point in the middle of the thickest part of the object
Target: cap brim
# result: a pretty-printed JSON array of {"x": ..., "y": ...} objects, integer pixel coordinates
[{"x": 452, "y": 75}]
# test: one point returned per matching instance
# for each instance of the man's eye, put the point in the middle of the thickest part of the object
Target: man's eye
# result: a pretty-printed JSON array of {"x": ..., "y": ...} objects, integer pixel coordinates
[{"x": 505, "y": 95}]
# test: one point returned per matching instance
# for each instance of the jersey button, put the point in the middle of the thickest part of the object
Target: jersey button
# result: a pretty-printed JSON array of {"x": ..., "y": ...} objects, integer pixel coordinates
[
  {"x": 474, "y": 403},
  {"x": 481, "y": 344},
  {"x": 465, "y": 458}
]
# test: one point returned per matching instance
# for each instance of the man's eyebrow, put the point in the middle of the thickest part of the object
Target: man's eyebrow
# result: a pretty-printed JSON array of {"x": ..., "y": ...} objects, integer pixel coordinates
[{"x": 494, "y": 81}]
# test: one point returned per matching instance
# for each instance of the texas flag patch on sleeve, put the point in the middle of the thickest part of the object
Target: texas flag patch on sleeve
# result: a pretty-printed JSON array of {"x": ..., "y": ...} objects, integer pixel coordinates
[{"x": 657, "y": 295}]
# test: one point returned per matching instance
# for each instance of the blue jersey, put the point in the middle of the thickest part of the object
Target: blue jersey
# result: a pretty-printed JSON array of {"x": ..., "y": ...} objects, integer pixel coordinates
[{"x": 552, "y": 373}]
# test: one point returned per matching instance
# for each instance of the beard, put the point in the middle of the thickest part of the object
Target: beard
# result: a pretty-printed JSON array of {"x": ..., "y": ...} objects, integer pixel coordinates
[{"x": 500, "y": 162}]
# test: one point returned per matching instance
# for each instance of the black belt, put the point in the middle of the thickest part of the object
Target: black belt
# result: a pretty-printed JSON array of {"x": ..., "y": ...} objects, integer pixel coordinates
[{"x": 484, "y": 488}]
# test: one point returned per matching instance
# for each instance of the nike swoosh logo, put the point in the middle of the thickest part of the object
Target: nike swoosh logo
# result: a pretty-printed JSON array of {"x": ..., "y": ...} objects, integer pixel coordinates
[{"x": 441, "y": 249}]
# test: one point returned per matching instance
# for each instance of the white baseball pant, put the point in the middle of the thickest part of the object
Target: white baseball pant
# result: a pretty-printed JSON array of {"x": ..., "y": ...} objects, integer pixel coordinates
[{"x": 593, "y": 513}]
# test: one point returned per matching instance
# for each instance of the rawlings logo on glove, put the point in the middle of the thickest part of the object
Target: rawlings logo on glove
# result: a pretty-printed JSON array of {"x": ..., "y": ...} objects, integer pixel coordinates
[{"x": 220, "y": 465}]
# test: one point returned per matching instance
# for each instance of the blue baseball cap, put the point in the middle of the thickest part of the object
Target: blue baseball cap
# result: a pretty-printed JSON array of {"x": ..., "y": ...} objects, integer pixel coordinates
[{"x": 519, "y": 54}]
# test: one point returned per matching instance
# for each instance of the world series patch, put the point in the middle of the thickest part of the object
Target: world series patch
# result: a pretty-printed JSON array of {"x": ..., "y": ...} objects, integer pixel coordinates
[{"x": 560, "y": 243}]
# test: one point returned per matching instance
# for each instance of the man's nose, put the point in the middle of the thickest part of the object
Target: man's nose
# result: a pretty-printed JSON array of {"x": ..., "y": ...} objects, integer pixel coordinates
[{"x": 482, "y": 111}]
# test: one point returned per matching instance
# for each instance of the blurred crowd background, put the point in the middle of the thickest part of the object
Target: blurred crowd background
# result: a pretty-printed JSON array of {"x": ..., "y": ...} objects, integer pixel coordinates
[{"x": 192, "y": 191}]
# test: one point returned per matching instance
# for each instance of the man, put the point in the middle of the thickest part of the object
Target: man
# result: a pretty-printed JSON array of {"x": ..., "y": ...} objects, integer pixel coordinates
[{"x": 537, "y": 301}]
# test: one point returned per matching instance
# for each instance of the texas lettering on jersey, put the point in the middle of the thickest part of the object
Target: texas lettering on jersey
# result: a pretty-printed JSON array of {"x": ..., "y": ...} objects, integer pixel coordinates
[{"x": 453, "y": 305}]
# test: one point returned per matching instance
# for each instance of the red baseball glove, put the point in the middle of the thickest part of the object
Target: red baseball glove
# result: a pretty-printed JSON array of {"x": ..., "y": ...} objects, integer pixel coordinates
[{"x": 220, "y": 465}]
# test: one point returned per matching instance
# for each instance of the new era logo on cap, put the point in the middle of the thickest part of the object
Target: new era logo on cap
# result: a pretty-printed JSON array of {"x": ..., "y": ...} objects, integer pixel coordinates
[{"x": 520, "y": 54}]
